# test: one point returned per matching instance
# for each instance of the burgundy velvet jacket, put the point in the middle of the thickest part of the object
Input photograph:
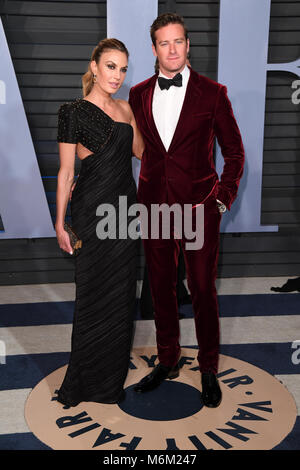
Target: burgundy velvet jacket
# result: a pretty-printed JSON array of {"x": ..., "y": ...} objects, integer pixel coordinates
[{"x": 186, "y": 174}]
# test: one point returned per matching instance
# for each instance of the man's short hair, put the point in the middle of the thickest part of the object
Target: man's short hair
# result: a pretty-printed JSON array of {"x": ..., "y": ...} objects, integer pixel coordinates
[{"x": 164, "y": 20}]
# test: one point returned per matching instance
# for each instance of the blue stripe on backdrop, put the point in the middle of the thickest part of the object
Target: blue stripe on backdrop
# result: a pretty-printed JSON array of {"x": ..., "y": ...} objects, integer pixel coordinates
[
  {"x": 253, "y": 305},
  {"x": 55, "y": 313},
  {"x": 25, "y": 371},
  {"x": 40, "y": 313},
  {"x": 21, "y": 441},
  {"x": 275, "y": 358},
  {"x": 259, "y": 304},
  {"x": 34, "y": 314}
]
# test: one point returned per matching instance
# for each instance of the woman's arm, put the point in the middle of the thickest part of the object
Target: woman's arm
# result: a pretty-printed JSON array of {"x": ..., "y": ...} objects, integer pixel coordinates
[
  {"x": 65, "y": 180},
  {"x": 138, "y": 145}
]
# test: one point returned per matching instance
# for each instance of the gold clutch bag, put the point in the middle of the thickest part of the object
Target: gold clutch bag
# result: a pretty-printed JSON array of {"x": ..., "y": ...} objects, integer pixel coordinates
[{"x": 75, "y": 241}]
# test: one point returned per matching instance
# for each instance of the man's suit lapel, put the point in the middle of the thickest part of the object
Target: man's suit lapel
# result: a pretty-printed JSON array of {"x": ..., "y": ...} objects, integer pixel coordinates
[
  {"x": 147, "y": 97},
  {"x": 191, "y": 102}
]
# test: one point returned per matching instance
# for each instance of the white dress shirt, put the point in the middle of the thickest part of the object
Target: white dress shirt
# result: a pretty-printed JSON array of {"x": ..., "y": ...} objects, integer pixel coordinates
[{"x": 166, "y": 107}]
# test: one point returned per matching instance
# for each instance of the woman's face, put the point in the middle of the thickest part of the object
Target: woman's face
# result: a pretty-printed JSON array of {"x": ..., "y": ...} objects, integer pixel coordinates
[{"x": 110, "y": 70}]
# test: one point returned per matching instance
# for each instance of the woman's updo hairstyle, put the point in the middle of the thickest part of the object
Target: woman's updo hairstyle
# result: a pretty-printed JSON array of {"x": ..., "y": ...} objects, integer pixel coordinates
[{"x": 104, "y": 45}]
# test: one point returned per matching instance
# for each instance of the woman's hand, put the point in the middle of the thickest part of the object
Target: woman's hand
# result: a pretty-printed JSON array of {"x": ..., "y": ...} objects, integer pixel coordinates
[
  {"x": 65, "y": 180},
  {"x": 63, "y": 240}
]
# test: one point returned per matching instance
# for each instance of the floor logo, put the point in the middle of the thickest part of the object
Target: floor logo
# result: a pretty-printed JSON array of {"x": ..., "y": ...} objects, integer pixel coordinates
[{"x": 257, "y": 411}]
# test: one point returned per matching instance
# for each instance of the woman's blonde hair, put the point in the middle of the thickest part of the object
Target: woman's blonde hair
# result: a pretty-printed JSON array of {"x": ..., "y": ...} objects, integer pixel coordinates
[{"x": 104, "y": 45}]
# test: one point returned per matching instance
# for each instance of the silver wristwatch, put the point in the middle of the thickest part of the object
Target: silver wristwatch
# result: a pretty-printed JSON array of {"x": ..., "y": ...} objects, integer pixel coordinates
[{"x": 221, "y": 206}]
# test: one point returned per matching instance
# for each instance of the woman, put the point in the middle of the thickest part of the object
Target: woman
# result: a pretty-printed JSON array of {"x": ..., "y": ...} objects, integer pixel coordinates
[{"x": 103, "y": 132}]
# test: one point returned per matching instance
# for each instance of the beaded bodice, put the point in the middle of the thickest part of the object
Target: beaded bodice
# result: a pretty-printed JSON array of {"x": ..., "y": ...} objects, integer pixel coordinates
[
  {"x": 84, "y": 122},
  {"x": 107, "y": 171}
]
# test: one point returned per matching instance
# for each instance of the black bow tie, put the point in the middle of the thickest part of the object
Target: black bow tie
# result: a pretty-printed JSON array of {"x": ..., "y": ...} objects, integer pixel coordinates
[{"x": 165, "y": 83}]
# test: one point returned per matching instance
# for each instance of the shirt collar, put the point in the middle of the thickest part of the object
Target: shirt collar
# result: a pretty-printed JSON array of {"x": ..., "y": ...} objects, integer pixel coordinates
[{"x": 185, "y": 74}]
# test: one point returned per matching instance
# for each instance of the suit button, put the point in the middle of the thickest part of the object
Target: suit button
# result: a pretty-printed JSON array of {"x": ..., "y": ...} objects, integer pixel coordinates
[{"x": 171, "y": 157}]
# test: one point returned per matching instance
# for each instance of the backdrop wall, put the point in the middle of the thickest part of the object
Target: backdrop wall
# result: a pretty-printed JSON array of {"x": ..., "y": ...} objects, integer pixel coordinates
[{"x": 50, "y": 43}]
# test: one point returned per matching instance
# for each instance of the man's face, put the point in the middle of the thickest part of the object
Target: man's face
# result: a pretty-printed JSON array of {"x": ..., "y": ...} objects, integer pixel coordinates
[{"x": 171, "y": 49}]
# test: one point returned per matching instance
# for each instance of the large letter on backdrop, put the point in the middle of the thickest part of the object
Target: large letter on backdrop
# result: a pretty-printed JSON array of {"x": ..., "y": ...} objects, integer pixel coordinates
[
  {"x": 242, "y": 67},
  {"x": 23, "y": 205},
  {"x": 130, "y": 22}
]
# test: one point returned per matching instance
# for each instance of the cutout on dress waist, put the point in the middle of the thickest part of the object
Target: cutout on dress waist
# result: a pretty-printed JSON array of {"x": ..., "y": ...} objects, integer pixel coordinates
[{"x": 84, "y": 149}]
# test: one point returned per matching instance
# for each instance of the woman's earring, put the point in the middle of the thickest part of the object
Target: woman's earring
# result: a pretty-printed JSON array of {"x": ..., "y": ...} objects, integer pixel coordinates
[{"x": 94, "y": 78}]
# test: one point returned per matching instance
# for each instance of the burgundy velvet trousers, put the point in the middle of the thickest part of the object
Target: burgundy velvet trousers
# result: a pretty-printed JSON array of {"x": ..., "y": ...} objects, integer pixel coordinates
[{"x": 201, "y": 269}]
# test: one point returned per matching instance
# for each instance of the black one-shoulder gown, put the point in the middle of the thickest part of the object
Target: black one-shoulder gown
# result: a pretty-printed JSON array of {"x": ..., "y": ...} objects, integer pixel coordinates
[{"x": 105, "y": 269}]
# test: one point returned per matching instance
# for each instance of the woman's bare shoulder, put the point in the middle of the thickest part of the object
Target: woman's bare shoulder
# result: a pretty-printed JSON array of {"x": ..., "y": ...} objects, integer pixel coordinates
[{"x": 125, "y": 106}]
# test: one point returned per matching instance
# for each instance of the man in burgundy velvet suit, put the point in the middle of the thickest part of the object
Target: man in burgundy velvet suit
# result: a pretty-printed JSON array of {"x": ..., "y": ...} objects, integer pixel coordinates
[{"x": 179, "y": 113}]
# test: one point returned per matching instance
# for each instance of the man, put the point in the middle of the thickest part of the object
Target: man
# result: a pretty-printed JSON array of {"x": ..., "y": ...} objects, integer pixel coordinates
[
  {"x": 179, "y": 113},
  {"x": 183, "y": 297}
]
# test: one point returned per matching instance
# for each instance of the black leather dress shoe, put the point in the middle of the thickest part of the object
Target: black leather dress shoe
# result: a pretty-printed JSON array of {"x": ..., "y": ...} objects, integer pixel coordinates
[
  {"x": 156, "y": 377},
  {"x": 211, "y": 392},
  {"x": 290, "y": 286}
]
